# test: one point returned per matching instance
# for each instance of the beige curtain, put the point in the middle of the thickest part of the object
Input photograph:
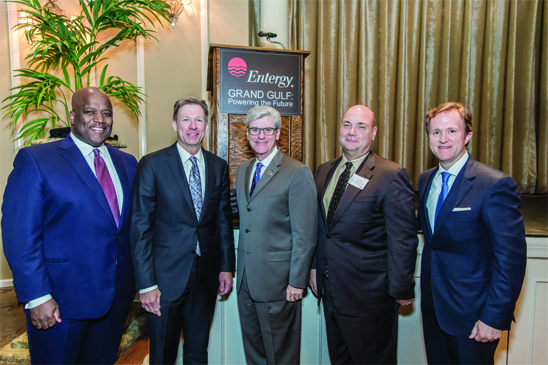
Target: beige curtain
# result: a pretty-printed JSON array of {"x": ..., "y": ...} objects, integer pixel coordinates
[{"x": 401, "y": 58}]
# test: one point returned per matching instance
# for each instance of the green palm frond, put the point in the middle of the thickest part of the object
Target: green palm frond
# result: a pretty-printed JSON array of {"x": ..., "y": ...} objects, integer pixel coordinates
[{"x": 72, "y": 46}]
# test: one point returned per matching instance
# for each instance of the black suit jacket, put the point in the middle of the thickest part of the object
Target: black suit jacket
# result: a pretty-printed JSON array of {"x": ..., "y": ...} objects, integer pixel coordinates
[
  {"x": 371, "y": 246},
  {"x": 164, "y": 227}
]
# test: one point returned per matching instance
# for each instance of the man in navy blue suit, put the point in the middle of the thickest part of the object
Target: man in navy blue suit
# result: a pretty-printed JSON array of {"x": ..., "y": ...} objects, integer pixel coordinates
[
  {"x": 474, "y": 256},
  {"x": 65, "y": 231}
]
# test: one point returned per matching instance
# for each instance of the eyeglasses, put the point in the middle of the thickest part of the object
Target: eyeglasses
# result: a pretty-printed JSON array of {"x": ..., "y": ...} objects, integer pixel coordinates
[{"x": 266, "y": 131}]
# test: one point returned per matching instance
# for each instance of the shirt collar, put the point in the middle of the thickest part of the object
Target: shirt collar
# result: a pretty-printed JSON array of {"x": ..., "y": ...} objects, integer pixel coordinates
[
  {"x": 85, "y": 148},
  {"x": 185, "y": 155},
  {"x": 356, "y": 162},
  {"x": 457, "y": 166},
  {"x": 269, "y": 159}
]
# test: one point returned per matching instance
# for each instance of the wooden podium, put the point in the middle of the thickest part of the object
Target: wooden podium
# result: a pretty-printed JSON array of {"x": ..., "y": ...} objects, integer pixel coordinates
[{"x": 247, "y": 65}]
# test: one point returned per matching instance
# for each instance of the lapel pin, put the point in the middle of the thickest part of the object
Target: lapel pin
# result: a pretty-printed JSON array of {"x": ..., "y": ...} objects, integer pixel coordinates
[{"x": 270, "y": 173}]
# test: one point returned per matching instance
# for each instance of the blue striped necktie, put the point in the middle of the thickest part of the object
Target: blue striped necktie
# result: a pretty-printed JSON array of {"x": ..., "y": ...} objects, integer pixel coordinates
[{"x": 256, "y": 178}]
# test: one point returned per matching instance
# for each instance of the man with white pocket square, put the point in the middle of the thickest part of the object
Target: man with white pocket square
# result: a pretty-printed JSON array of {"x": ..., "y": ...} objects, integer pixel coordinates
[{"x": 474, "y": 256}]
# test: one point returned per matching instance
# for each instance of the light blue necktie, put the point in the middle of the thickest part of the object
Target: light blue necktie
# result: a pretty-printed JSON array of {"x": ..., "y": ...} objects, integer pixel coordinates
[
  {"x": 195, "y": 183},
  {"x": 443, "y": 193},
  {"x": 256, "y": 178}
]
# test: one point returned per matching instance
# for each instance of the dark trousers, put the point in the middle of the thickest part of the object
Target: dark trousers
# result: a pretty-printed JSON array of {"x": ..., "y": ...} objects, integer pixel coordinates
[
  {"x": 271, "y": 331},
  {"x": 192, "y": 313},
  {"x": 93, "y": 341},
  {"x": 442, "y": 348},
  {"x": 360, "y": 340}
]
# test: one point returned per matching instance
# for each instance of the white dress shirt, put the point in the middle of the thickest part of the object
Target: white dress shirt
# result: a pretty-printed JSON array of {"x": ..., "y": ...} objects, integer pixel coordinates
[
  {"x": 265, "y": 163},
  {"x": 437, "y": 181},
  {"x": 187, "y": 167},
  {"x": 87, "y": 152}
]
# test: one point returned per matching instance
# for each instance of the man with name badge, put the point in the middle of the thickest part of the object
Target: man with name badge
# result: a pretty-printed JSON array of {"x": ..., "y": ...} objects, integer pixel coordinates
[
  {"x": 65, "y": 231},
  {"x": 473, "y": 261},
  {"x": 367, "y": 246},
  {"x": 182, "y": 242},
  {"x": 278, "y": 226}
]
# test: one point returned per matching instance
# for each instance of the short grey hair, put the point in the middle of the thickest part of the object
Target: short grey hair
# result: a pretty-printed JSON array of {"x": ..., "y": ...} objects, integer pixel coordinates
[{"x": 262, "y": 111}]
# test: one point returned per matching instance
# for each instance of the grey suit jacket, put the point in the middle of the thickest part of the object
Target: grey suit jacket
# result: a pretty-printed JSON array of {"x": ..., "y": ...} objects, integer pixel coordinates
[
  {"x": 278, "y": 227},
  {"x": 371, "y": 245}
]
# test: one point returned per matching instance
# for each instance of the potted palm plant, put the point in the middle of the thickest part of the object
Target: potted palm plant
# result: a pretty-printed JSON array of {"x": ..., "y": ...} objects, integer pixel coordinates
[{"x": 72, "y": 48}]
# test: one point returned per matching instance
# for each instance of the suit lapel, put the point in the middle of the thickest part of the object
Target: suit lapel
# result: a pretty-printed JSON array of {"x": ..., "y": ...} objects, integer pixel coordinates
[
  {"x": 268, "y": 173},
  {"x": 366, "y": 171},
  {"x": 209, "y": 172},
  {"x": 74, "y": 157},
  {"x": 321, "y": 191},
  {"x": 248, "y": 172},
  {"x": 460, "y": 188},
  {"x": 122, "y": 175},
  {"x": 424, "y": 209},
  {"x": 176, "y": 165}
]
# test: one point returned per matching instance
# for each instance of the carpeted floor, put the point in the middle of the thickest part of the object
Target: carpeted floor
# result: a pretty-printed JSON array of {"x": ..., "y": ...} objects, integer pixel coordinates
[
  {"x": 11, "y": 316},
  {"x": 133, "y": 349}
]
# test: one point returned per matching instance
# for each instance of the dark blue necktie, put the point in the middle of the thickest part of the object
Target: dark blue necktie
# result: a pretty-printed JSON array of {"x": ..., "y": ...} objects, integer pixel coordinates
[
  {"x": 256, "y": 178},
  {"x": 443, "y": 193}
]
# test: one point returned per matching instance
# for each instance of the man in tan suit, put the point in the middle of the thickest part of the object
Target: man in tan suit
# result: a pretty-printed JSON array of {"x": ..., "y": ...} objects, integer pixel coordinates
[{"x": 278, "y": 227}]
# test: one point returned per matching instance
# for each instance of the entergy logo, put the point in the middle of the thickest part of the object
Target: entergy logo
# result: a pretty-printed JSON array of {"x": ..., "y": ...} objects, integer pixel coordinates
[{"x": 237, "y": 67}]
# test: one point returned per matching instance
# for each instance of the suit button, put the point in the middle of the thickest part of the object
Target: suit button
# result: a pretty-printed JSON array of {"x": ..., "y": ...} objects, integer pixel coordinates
[
  {"x": 249, "y": 209},
  {"x": 116, "y": 236},
  {"x": 328, "y": 237},
  {"x": 247, "y": 230},
  {"x": 113, "y": 260},
  {"x": 428, "y": 273},
  {"x": 433, "y": 249}
]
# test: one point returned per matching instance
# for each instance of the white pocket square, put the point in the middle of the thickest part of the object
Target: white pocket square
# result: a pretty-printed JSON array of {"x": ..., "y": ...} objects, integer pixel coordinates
[{"x": 461, "y": 209}]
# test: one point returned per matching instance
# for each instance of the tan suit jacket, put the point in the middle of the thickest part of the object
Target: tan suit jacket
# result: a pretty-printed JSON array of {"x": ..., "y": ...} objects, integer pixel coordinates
[{"x": 278, "y": 227}]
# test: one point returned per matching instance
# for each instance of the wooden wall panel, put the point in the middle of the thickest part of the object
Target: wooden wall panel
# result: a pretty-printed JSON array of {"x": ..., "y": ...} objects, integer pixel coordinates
[{"x": 239, "y": 149}]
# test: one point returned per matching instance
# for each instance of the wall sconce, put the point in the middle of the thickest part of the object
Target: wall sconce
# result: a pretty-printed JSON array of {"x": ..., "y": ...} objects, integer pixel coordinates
[
  {"x": 176, "y": 7},
  {"x": 51, "y": 6}
]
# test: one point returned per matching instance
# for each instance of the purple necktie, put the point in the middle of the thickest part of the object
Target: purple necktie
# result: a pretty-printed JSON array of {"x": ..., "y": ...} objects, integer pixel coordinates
[{"x": 108, "y": 187}]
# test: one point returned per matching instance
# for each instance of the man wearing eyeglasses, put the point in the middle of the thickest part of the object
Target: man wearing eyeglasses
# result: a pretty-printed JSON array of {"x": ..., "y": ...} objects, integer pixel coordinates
[{"x": 278, "y": 227}]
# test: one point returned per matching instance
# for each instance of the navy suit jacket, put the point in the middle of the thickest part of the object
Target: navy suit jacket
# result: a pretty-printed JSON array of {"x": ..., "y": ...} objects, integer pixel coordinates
[
  {"x": 371, "y": 246},
  {"x": 59, "y": 234},
  {"x": 474, "y": 261},
  {"x": 164, "y": 226}
]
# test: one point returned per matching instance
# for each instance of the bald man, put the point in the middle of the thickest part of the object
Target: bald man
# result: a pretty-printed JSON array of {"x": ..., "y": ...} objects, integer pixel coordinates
[
  {"x": 65, "y": 232},
  {"x": 367, "y": 246}
]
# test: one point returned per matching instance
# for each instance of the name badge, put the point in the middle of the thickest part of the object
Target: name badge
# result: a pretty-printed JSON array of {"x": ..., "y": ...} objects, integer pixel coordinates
[{"x": 358, "y": 181}]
